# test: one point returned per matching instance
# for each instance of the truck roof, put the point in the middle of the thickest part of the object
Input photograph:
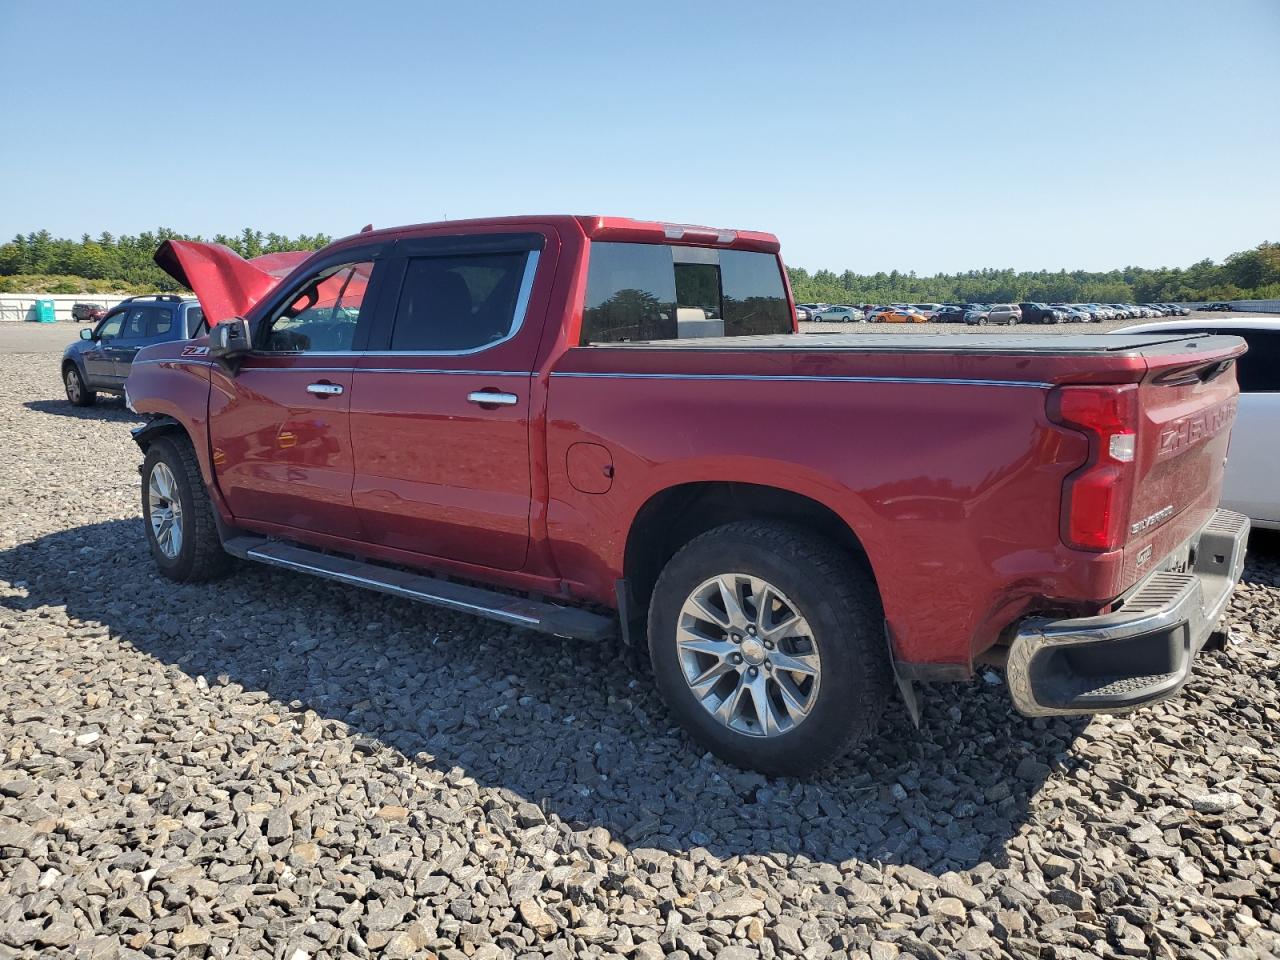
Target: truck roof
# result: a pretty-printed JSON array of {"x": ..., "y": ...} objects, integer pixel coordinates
[{"x": 596, "y": 227}]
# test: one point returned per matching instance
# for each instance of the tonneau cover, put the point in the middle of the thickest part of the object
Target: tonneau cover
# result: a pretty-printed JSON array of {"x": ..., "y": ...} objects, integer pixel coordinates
[{"x": 1097, "y": 344}]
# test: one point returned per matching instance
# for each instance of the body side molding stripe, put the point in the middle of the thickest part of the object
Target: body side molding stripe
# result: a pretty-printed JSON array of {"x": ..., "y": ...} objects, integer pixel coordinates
[{"x": 807, "y": 379}]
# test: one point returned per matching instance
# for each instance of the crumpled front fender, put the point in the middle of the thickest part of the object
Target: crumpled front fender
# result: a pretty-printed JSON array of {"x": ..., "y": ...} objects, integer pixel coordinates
[{"x": 153, "y": 428}]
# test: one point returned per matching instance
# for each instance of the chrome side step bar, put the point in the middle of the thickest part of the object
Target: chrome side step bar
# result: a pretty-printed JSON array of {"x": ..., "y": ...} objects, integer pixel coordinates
[{"x": 515, "y": 611}]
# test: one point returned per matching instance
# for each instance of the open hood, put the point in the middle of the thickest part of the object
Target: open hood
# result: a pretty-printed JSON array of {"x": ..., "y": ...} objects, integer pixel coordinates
[{"x": 226, "y": 284}]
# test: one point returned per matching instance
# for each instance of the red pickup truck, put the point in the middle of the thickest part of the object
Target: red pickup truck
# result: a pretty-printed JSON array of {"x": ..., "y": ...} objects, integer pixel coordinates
[{"x": 595, "y": 426}]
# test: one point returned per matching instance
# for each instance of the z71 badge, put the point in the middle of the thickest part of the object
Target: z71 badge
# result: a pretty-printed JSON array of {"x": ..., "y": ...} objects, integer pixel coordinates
[{"x": 195, "y": 351}]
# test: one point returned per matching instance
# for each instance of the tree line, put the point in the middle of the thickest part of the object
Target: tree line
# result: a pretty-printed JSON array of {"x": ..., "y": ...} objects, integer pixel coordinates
[
  {"x": 1247, "y": 275},
  {"x": 40, "y": 263}
]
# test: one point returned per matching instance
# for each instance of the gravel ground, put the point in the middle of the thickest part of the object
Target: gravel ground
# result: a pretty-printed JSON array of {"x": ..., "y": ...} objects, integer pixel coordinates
[{"x": 276, "y": 767}]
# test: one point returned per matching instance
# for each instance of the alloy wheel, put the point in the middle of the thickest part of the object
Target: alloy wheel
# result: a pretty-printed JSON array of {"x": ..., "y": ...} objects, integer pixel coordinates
[
  {"x": 165, "y": 509},
  {"x": 748, "y": 655}
]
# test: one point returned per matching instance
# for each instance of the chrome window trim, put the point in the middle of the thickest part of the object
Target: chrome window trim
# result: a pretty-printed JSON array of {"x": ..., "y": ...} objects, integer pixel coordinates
[
  {"x": 790, "y": 378},
  {"x": 474, "y": 373},
  {"x": 244, "y": 369},
  {"x": 517, "y": 318}
]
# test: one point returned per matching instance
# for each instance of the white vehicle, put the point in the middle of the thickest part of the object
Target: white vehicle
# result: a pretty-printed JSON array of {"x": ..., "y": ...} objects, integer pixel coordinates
[
  {"x": 1253, "y": 462},
  {"x": 928, "y": 309},
  {"x": 840, "y": 315}
]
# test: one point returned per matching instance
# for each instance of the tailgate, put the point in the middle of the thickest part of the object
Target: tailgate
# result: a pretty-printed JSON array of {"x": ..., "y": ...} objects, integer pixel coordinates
[{"x": 1186, "y": 405}]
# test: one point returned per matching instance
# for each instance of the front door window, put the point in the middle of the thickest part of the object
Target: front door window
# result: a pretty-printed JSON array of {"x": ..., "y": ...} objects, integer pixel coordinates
[{"x": 322, "y": 317}]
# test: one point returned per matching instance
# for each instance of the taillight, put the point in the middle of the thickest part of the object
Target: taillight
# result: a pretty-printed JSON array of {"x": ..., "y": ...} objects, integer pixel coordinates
[{"x": 1095, "y": 498}]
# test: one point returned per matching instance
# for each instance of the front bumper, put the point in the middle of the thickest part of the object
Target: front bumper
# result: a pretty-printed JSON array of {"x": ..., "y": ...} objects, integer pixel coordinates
[{"x": 1141, "y": 652}]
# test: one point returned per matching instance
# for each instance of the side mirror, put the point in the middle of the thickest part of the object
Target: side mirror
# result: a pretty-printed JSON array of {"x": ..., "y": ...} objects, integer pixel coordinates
[
  {"x": 86, "y": 333},
  {"x": 229, "y": 340}
]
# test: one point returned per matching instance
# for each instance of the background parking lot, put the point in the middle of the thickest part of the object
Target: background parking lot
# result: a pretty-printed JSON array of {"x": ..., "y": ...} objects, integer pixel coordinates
[
  {"x": 274, "y": 764},
  {"x": 1051, "y": 329}
]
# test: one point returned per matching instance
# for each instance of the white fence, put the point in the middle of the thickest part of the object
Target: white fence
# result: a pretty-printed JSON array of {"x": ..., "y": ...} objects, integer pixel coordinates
[
  {"x": 1259, "y": 306},
  {"x": 22, "y": 306}
]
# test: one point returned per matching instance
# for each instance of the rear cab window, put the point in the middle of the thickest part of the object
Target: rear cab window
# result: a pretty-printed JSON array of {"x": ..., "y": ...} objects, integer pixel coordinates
[{"x": 645, "y": 291}]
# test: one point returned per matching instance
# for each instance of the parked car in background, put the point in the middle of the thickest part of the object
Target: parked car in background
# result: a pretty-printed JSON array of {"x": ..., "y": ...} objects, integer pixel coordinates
[
  {"x": 1006, "y": 314},
  {"x": 101, "y": 359},
  {"x": 87, "y": 312},
  {"x": 928, "y": 310},
  {"x": 802, "y": 314},
  {"x": 949, "y": 313},
  {"x": 421, "y": 403},
  {"x": 1033, "y": 312},
  {"x": 1220, "y": 305},
  {"x": 1074, "y": 314},
  {"x": 1252, "y": 482},
  {"x": 899, "y": 313},
  {"x": 977, "y": 314},
  {"x": 1124, "y": 311},
  {"x": 840, "y": 314}
]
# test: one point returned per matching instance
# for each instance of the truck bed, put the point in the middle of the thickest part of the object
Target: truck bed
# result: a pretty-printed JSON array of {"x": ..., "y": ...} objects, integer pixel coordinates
[{"x": 1097, "y": 344}]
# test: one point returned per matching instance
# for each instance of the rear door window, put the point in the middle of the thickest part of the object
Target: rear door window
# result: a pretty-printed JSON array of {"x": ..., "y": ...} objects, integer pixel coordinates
[
  {"x": 159, "y": 324},
  {"x": 638, "y": 291},
  {"x": 459, "y": 302},
  {"x": 147, "y": 323}
]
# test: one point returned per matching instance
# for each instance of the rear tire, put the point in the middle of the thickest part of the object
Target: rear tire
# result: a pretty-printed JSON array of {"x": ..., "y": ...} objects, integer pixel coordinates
[
  {"x": 184, "y": 542},
  {"x": 78, "y": 392},
  {"x": 829, "y": 625}
]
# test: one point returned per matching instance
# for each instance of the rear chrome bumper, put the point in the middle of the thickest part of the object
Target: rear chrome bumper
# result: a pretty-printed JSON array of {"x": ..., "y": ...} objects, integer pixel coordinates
[{"x": 1141, "y": 652}]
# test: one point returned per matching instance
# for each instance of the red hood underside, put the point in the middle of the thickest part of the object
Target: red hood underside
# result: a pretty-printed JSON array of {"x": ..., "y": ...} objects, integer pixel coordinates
[{"x": 226, "y": 284}]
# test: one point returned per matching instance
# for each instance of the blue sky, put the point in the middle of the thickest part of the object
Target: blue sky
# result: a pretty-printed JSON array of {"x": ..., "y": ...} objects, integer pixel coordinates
[{"x": 926, "y": 136}]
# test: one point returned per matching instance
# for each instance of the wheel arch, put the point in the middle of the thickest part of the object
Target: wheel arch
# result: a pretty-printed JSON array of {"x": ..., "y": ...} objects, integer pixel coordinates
[
  {"x": 673, "y": 516},
  {"x": 159, "y": 426}
]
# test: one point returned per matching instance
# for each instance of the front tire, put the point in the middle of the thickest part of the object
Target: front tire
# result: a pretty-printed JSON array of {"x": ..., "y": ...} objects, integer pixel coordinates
[
  {"x": 768, "y": 646},
  {"x": 78, "y": 392},
  {"x": 178, "y": 514}
]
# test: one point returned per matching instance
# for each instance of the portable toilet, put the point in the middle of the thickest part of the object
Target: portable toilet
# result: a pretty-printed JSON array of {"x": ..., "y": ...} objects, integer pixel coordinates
[{"x": 44, "y": 310}]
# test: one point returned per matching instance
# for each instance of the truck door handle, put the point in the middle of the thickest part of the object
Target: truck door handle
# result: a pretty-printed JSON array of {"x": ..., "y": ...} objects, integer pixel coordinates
[
  {"x": 492, "y": 398},
  {"x": 324, "y": 389}
]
